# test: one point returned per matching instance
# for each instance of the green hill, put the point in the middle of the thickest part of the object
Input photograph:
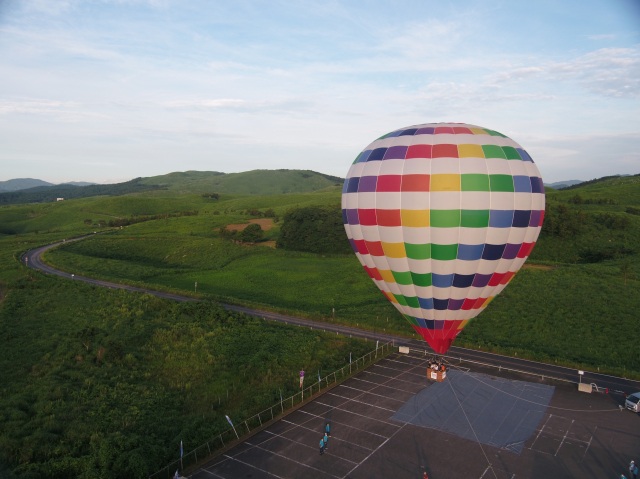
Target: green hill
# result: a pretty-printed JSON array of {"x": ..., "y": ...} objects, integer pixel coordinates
[
  {"x": 21, "y": 184},
  {"x": 256, "y": 182},
  {"x": 47, "y": 194},
  {"x": 611, "y": 190}
]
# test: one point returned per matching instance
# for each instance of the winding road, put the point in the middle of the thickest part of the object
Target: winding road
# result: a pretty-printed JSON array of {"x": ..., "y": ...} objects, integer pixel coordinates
[{"x": 601, "y": 382}]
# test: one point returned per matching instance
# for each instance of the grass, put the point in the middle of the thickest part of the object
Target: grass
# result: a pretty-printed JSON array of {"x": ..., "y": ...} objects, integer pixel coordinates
[
  {"x": 176, "y": 252},
  {"x": 573, "y": 314},
  {"x": 256, "y": 182},
  {"x": 102, "y": 383}
]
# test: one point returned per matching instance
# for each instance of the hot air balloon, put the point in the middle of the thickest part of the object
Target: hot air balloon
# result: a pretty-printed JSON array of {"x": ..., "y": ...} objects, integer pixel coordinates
[{"x": 442, "y": 216}]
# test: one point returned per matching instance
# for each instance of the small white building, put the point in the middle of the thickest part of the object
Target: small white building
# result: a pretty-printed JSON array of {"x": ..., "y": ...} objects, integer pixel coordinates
[{"x": 59, "y": 199}]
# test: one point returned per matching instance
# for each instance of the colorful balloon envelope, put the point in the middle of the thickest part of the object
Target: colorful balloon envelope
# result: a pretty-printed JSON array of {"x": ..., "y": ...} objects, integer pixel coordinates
[{"x": 442, "y": 216}]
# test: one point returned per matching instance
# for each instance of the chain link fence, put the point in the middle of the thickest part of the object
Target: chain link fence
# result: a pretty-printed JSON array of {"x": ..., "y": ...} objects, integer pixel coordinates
[{"x": 240, "y": 430}]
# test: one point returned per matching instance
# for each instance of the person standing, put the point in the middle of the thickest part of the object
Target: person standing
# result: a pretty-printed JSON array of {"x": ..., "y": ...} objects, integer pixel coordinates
[
  {"x": 326, "y": 440},
  {"x": 327, "y": 429},
  {"x": 322, "y": 446},
  {"x": 633, "y": 470},
  {"x": 301, "y": 377}
]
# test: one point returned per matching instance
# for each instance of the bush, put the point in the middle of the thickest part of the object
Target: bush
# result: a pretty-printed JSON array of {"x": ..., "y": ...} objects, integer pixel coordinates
[
  {"x": 314, "y": 229},
  {"x": 251, "y": 234}
]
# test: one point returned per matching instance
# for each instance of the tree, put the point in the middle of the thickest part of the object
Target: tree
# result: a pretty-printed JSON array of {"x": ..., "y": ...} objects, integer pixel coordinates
[
  {"x": 316, "y": 229},
  {"x": 251, "y": 234}
]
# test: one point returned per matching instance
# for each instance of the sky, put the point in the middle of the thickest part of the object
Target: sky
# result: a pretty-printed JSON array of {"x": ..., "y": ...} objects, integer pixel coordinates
[{"x": 110, "y": 90}]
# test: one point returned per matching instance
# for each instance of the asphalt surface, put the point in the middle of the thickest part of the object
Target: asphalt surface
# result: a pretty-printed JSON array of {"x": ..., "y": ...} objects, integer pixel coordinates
[{"x": 390, "y": 421}]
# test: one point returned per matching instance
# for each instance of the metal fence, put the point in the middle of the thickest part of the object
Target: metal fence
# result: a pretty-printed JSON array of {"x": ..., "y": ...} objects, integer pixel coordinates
[{"x": 244, "y": 428}]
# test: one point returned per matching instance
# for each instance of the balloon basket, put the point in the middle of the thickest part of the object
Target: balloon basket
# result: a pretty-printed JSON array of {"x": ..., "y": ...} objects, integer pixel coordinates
[{"x": 437, "y": 376}]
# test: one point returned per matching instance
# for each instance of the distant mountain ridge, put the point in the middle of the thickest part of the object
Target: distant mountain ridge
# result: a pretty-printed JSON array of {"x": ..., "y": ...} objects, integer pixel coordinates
[
  {"x": 22, "y": 184},
  {"x": 18, "y": 184},
  {"x": 559, "y": 185},
  {"x": 254, "y": 182}
]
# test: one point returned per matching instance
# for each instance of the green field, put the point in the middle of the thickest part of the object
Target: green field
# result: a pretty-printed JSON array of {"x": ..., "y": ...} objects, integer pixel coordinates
[
  {"x": 89, "y": 371},
  {"x": 570, "y": 309}
]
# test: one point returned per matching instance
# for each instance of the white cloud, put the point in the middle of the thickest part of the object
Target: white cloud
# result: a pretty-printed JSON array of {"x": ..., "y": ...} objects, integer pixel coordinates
[
  {"x": 585, "y": 156},
  {"x": 54, "y": 110},
  {"x": 608, "y": 71},
  {"x": 172, "y": 84},
  {"x": 603, "y": 36},
  {"x": 206, "y": 103}
]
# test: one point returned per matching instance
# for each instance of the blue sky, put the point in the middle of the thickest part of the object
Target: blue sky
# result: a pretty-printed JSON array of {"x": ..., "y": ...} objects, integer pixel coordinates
[{"x": 109, "y": 90}]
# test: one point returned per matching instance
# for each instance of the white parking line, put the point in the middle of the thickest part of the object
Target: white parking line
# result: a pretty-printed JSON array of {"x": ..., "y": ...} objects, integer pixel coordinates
[
  {"x": 355, "y": 413},
  {"x": 402, "y": 372},
  {"x": 394, "y": 378},
  {"x": 385, "y": 386},
  {"x": 364, "y": 391},
  {"x": 333, "y": 438},
  {"x": 331, "y": 393},
  {"x": 343, "y": 425}
]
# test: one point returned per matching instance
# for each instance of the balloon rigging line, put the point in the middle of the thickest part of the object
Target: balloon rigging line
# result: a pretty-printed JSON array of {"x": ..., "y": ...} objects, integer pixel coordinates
[
  {"x": 472, "y": 429},
  {"x": 453, "y": 366}
]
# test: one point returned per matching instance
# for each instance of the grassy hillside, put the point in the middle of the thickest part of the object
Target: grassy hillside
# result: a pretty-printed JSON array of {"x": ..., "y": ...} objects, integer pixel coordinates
[
  {"x": 620, "y": 189},
  {"x": 101, "y": 383},
  {"x": 47, "y": 194},
  {"x": 592, "y": 242},
  {"x": 574, "y": 303},
  {"x": 256, "y": 182},
  {"x": 105, "y": 384}
]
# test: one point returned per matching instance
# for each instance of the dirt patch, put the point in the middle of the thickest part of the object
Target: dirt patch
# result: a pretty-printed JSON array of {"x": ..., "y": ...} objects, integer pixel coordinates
[
  {"x": 265, "y": 223},
  {"x": 541, "y": 267}
]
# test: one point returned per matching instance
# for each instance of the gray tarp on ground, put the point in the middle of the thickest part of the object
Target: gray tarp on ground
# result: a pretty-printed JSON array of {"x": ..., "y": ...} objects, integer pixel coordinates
[{"x": 495, "y": 411}]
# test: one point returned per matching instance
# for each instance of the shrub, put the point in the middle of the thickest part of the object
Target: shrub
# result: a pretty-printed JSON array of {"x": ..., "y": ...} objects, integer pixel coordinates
[
  {"x": 251, "y": 234},
  {"x": 314, "y": 229}
]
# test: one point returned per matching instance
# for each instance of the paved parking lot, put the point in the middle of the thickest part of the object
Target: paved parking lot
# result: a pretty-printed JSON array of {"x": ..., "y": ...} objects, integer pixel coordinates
[{"x": 390, "y": 421}]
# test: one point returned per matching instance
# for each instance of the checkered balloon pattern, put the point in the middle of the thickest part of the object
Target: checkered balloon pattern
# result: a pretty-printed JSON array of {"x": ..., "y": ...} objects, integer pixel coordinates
[{"x": 442, "y": 216}]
